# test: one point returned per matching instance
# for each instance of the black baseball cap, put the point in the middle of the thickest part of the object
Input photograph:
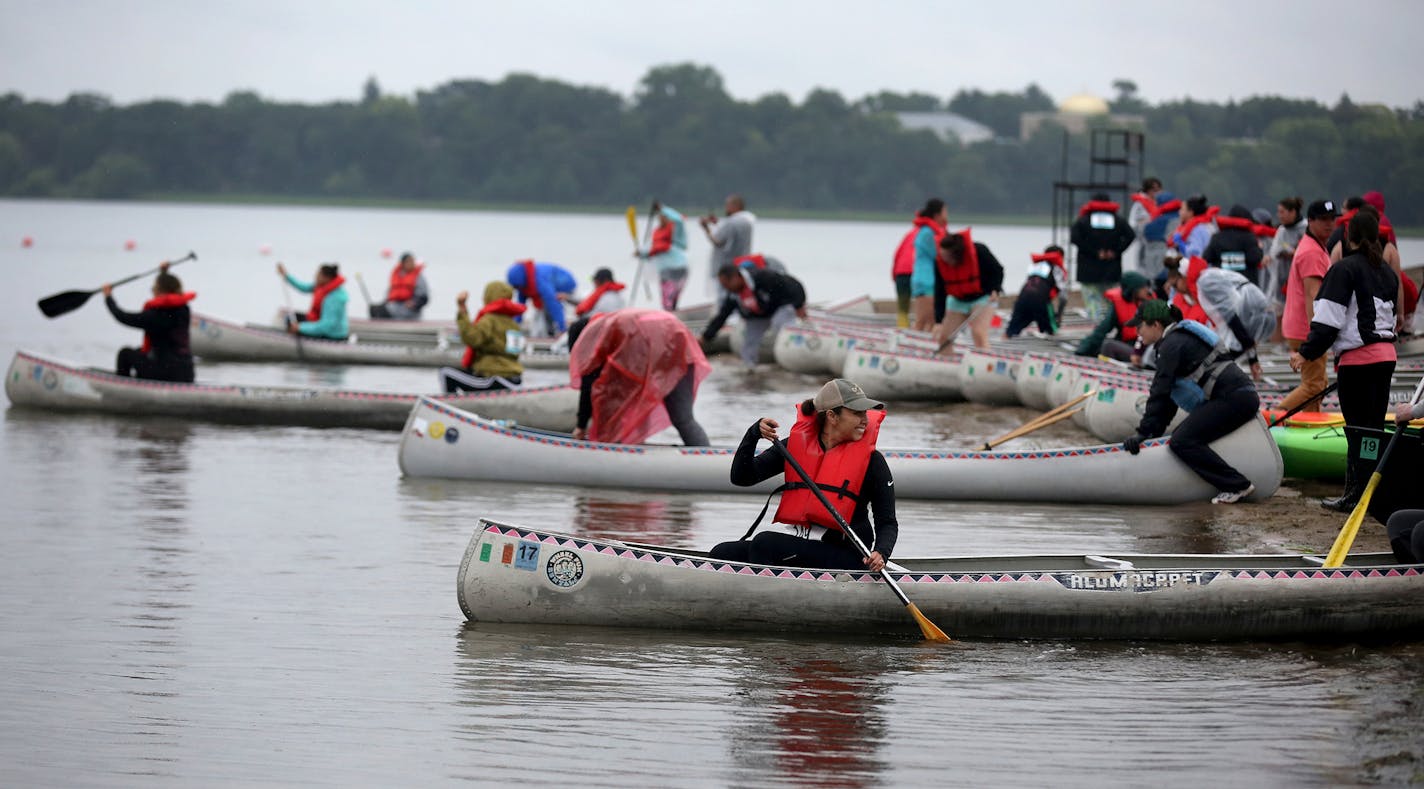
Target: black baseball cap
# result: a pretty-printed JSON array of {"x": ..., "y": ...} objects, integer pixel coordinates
[{"x": 1321, "y": 208}]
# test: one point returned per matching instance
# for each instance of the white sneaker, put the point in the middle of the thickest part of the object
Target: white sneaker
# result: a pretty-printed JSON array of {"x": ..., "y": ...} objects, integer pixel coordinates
[{"x": 1232, "y": 498}]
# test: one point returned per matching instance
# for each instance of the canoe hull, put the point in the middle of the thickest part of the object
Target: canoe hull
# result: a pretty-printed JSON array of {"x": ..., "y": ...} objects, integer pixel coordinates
[
  {"x": 482, "y": 450},
  {"x": 38, "y": 382},
  {"x": 512, "y": 574}
]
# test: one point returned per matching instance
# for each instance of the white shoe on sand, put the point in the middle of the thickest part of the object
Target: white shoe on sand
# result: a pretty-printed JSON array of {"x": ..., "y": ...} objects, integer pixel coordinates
[{"x": 1232, "y": 498}]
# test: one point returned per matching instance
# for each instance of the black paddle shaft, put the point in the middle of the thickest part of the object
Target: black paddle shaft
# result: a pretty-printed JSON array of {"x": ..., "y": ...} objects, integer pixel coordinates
[
  {"x": 71, "y": 300},
  {"x": 845, "y": 527},
  {"x": 1321, "y": 397}
]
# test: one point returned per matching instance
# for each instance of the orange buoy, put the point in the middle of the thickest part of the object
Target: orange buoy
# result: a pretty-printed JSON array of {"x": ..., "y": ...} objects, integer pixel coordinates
[
  {"x": 386, "y": 253},
  {"x": 264, "y": 249},
  {"x": 27, "y": 242},
  {"x": 130, "y": 245}
]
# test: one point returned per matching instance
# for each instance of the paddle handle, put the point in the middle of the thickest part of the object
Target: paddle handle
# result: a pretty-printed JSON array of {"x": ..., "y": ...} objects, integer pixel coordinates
[{"x": 140, "y": 275}]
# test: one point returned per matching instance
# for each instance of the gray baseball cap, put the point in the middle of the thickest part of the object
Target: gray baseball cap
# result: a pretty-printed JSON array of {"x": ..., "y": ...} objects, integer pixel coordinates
[{"x": 841, "y": 392}]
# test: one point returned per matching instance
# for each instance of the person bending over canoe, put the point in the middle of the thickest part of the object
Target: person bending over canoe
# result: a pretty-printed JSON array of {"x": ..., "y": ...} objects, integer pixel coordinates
[
  {"x": 766, "y": 300},
  {"x": 637, "y": 371},
  {"x": 493, "y": 342},
  {"x": 1194, "y": 374},
  {"x": 834, "y": 441},
  {"x": 165, "y": 355},
  {"x": 544, "y": 285},
  {"x": 326, "y": 318}
]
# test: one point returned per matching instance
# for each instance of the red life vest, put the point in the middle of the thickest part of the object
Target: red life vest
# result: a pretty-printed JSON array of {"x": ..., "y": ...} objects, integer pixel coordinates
[
  {"x": 961, "y": 281},
  {"x": 1386, "y": 230},
  {"x": 165, "y": 301},
  {"x": 589, "y": 303},
  {"x": 757, "y": 261},
  {"x": 1099, "y": 205},
  {"x": 1187, "y": 299},
  {"x": 904, "y": 262},
  {"x": 1147, "y": 203},
  {"x": 1186, "y": 228},
  {"x": 402, "y": 286},
  {"x": 530, "y": 289},
  {"x": 1169, "y": 207},
  {"x": 500, "y": 306},
  {"x": 662, "y": 240},
  {"x": 1125, "y": 311},
  {"x": 319, "y": 295},
  {"x": 839, "y": 473},
  {"x": 1054, "y": 259},
  {"x": 1240, "y": 223}
]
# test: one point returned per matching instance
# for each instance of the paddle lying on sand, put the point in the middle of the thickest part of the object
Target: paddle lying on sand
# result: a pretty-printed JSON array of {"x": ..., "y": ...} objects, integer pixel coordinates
[
  {"x": 1044, "y": 419},
  {"x": 928, "y": 628},
  {"x": 1341, "y": 548},
  {"x": 1316, "y": 399},
  {"x": 71, "y": 300}
]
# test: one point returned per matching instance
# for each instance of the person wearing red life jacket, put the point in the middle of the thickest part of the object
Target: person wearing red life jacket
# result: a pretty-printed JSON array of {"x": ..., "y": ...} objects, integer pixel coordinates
[
  {"x": 1234, "y": 246},
  {"x": 493, "y": 343},
  {"x": 607, "y": 295},
  {"x": 407, "y": 294},
  {"x": 326, "y": 318},
  {"x": 765, "y": 300},
  {"x": 913, "y": 266},
  {"x": 1142, "y": 211},
  {"x": 973, "y": 280},
  {"x": 637, "y": 372},
  {"x": 667, "y": 251},
  {"x": 1036, "y": 302},
  {"x": 1195, "y": 228},
  {"x": 1100, "y": 235},
  {"x": 166, "y": 354},
  {"x": 1133, "y": 289},
  {"x": 833, "y": 439}
]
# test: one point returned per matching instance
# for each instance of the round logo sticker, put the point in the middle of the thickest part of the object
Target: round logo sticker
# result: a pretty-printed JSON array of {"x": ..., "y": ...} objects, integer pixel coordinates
[
  {"x": 813, "y": 343},
  {"x": 436, "y": 429},
  {"x": 891, "y": 366},
  {"x": 451, "y": 435},
  {"x": 565, "y": 569}
]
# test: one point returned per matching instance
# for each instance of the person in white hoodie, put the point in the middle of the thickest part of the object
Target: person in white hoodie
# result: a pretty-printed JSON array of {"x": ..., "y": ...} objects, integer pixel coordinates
[{"x": 1291, "y": 227}]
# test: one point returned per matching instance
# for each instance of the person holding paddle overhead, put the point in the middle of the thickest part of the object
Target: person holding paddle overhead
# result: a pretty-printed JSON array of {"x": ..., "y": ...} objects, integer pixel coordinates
[
  {"x": 834, "y": 439},
  {"x": 668, "y": 252},
  {"x": 326, "y": 318},
  {"x": 166, "y": 354}
]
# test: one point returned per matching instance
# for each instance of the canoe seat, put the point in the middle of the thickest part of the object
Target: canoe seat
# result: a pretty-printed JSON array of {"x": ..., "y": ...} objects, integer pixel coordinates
[
  {"x": 1319, "y": 560},
  {"x": 1106, "y": 563}
]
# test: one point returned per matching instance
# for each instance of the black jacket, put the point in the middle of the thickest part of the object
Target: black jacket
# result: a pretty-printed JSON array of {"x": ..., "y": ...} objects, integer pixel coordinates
[
  {"x": 167, "y": 332},
  {"x": 1178, "y": 354},
  {"x": 1235, "y": 250},
  {"x": 877, "y": 492},
  {"x": 1090, "y": 241},
  {"x": 773, "y": 291},
  {"x": 1371, "y": 290}
]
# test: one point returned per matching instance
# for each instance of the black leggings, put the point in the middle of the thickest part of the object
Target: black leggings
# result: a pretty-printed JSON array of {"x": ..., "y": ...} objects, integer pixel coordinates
[
  {"x": 1209, "y": 421},
  {"x": 780, "y": 549},
  {"x": 1406, "y": 536},
  {"x": 1364, "y": 402}
]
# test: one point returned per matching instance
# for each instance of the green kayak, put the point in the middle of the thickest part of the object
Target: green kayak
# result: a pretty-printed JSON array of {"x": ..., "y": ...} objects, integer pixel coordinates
[{"x": 1312, "y": 452}]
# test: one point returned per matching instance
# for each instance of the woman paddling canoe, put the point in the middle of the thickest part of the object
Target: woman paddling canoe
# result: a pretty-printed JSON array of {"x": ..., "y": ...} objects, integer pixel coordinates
[{"x": 834, "y": 439}]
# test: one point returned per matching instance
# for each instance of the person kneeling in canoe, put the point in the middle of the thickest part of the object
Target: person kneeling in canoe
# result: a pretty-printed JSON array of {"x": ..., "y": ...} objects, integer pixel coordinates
[
  {"x": 493, "y": 342},
  {"x": 637, "y": 371},
  {"x": 1194, "y": 374},
  {"x": 834, "y": 441},
  {"x": 326, "y": 318},
  {"x": 165, "y": 355}
]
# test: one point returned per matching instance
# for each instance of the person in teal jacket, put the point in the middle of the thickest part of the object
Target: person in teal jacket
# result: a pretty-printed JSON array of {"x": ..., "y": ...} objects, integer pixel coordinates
[{"x": 326, "y": 318}]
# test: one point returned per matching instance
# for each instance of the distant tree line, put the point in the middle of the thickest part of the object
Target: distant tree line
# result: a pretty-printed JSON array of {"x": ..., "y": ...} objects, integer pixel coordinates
[{"x": 682, "y": 138}]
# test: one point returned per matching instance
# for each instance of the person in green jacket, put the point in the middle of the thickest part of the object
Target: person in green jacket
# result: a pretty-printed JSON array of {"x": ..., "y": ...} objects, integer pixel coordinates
[
  {"x": 1133, "y": 289},
  {"x": 493, "y": 342}
]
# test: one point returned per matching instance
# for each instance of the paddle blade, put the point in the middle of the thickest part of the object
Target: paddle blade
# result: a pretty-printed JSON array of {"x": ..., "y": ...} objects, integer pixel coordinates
[
  {"x": 1341, "y": 548},
  {"x": 632, "y": 214},
  {"x": 930, "y": 631},
  {"x": 60, "y": 303}
]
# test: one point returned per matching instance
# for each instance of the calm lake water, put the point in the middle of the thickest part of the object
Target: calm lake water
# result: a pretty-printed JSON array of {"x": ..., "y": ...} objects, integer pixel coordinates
[{"x": 195, "y": 604}]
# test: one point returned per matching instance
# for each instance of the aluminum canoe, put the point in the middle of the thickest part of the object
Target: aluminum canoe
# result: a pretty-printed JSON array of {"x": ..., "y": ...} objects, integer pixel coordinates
[
  {"x": 515, "y": 574},
  {"x": 441, "y": 440},
  {"x": 39, "y": 382}
]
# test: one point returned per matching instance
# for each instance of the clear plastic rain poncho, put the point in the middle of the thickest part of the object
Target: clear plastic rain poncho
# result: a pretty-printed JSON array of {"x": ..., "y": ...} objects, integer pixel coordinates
[
  {"x": 1226, "y": 294},
  {"x": 644, "y": 354}
]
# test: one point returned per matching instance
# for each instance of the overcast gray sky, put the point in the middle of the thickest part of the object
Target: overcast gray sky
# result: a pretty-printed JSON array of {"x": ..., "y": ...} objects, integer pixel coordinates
[{"x": 323, "y": 50}]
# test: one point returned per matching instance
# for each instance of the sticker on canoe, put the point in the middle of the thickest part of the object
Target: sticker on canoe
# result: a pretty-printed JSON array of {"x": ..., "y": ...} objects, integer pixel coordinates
[
  {"x": 485, "y": 551},
  {"x": 451, "y": 435},
  {"x": 1369, "y": 448},
  {"x": 1133, "y": 581},
  {"x": 435, "y": 430},
  {"x": 527, "y": 557},
  {"x": 565, "y": 569},
  {"x": 891, "y": 366}
]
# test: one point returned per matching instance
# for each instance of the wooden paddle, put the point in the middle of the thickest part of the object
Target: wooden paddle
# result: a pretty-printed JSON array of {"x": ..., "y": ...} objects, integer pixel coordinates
[
  {"x": 1318, "y": 398},
  {"x": 929, "y": 629},
  {"x": 632, "y": 215},
  {"x": 1346, "y": 538},
  {"x": 291, "y": 315},
  {"x": 71, "y": 300},
  {"x": 1042, "y": 420}
]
